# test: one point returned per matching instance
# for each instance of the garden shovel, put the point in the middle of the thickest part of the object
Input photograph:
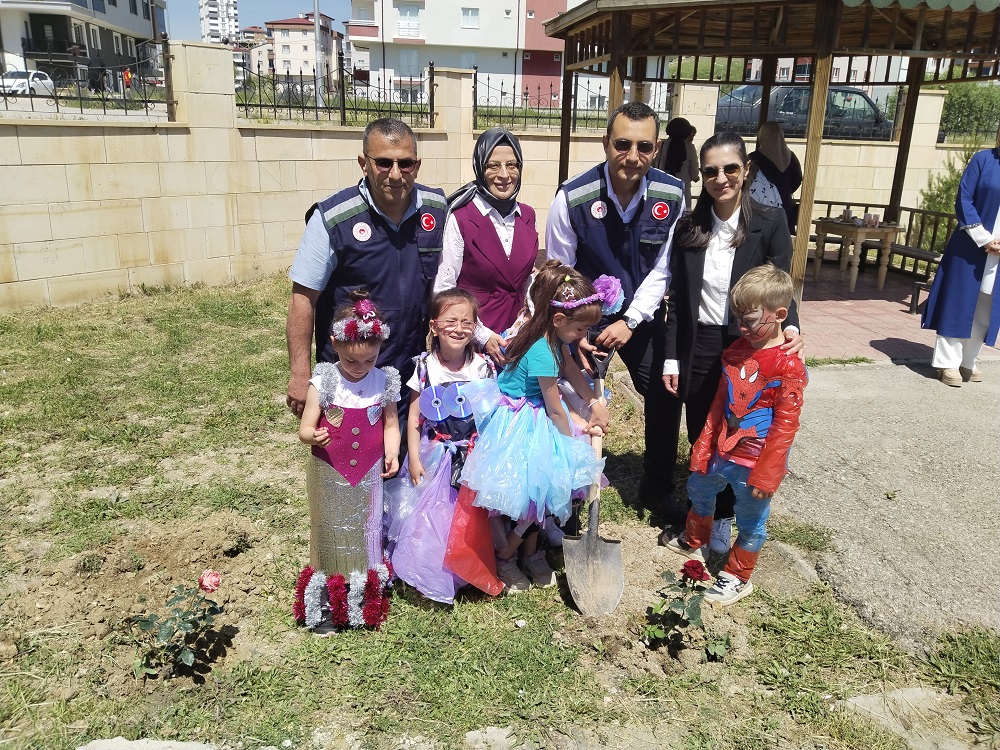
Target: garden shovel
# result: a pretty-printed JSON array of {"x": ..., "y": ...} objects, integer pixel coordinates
[{"x": 594, "y": 569}]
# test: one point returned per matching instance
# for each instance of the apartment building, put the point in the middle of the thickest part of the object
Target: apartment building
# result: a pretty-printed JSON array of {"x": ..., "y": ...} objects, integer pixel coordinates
[
  {"x": 219, "y": 20},
  {"x": 292, "y": 43},
  {"x": 391, "y": 44},
  {"x": 62, "y": 37}
]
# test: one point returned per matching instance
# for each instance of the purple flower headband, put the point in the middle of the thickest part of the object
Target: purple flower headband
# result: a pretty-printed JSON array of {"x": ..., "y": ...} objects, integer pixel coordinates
[
  {"x": 364, "y": 326},
  {"x": 608, "y": 292}
]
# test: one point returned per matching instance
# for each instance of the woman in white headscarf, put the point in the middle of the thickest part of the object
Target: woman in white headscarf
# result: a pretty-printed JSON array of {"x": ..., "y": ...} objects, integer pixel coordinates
[{"x": 490, "y": 240}]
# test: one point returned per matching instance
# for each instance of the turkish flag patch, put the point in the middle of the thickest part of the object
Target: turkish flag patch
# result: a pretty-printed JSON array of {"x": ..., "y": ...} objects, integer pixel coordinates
[
  {"x": 428, "y": 222},
  {"x": 661, "y": 211}
]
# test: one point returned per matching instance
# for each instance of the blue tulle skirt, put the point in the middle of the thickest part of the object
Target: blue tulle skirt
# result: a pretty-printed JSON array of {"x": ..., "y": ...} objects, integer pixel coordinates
[{"x": 522, "y": 466}]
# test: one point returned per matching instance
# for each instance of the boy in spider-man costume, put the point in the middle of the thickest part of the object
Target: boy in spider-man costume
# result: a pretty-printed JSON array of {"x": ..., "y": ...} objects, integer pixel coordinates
[{"x": 749, "y": 432}]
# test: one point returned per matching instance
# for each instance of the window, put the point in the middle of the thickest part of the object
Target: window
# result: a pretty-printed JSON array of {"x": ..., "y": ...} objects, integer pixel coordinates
[
  {"x": 411, "y": 94},
  {"x": 284, "y": 33},
  {"x": 286, "y": 49},
  {"x": 854, "y": 75},
  {"x": 145, "y": 9},
  {"x": 469, "y": 59},
  {"x": 409, "y": 20},
  {"x": 130, "y": 46},
  {"x": 286, "y": 64},
  {"x": 98, "y": 5},
  {"x": 527, "y": 55},
  {"x": 305, "y": 47},
  {"x": 117, "y": 39},
  {"x": 836, "y": 74},
  {"x": 557, "y": 57},
  {"x": 95, "y": 37},
  {"x": 113, "y": 3},
  {"x": 783, "y": 74},
  {"x": 531, "y": 14},
  {"x": 133, "y": 8},
  {"x": 363, "y": 14},
  {"x": 470, "y": 18},
  {"x": 409, "y": 63},
  {"x": 78, "y": 34},
  {"x": 506, "y": 13}
]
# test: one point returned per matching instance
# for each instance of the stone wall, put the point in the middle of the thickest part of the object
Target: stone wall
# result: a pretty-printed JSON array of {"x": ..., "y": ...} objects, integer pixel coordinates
[{"x": 95, "y": 209}]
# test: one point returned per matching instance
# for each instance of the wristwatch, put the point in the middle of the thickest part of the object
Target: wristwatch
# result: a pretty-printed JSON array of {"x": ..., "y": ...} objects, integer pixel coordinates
[{"x": 632, "y": 323}]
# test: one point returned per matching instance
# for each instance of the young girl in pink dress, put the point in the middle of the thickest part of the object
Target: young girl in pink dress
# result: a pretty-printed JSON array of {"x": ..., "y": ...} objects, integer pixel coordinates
[{"x": 351, "y": 422}]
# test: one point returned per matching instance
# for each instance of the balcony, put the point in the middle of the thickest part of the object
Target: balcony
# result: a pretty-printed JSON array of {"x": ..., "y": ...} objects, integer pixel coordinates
[
  {"x": 361, "y": 28},
  {"x": 59, "y": 49}
]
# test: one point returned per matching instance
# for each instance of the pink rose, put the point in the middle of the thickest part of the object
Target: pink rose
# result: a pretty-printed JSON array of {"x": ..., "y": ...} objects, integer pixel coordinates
[{"x": 209, "y": 581}]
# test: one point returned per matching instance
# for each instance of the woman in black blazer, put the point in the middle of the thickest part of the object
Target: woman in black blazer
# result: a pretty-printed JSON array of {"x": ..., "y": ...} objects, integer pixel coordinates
[{"x": 721, "y": 239}]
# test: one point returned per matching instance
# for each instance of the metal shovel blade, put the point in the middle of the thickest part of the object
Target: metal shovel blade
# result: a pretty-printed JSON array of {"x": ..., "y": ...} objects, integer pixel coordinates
[{"x": 594, "y": 569}]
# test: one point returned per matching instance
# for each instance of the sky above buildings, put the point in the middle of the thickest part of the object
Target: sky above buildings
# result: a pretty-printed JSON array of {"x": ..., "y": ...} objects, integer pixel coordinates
[{"x": 182, "y": 15}]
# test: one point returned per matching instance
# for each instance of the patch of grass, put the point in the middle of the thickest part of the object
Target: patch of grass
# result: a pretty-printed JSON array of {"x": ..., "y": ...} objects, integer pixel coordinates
[
  {"x": 968, "y": 663},
  {"x": 805, "y": 536},
  {"x": 820, "y": 361},
  {"x": 810, "y": 653}
]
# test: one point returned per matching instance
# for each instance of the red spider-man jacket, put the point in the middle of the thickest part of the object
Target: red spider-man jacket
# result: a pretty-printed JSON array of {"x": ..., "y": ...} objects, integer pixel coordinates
[{"x": 755, "y": 413}]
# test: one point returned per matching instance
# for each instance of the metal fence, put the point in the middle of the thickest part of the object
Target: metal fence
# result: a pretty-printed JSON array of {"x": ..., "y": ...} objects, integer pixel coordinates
[
  {"x": 343, "y": 97},
  {"x": 85, "y": 87},
  {"x": 494, "y": 104}
]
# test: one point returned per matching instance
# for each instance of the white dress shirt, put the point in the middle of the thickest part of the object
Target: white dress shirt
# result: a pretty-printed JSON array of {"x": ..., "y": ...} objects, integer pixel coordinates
[
  {"x": 560, "y": 244},
  {"x": 453, "y": 253},
  {"x": 982, "y": 237}
]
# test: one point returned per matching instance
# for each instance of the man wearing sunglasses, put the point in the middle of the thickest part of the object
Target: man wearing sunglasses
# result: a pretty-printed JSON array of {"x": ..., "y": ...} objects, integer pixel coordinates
[
  {"x": 383, "y": 234},
  {"x": 618, "y": 218}
]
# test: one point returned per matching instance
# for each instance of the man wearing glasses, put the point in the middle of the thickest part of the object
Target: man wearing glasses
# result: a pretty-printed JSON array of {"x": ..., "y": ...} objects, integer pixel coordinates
[
  {"x": 383, "y": 234},
  {"x": 618, "y": 218}
]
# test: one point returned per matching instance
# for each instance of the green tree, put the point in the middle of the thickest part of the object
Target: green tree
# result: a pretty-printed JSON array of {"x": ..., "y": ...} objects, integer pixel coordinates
[{"x": 971, "y": 109}]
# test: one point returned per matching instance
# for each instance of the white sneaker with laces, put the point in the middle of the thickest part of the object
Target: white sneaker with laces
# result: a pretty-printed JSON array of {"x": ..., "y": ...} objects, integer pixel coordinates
[
  {"x": 537, "y": 568},
  {"x": 722, "y": 536},
  {"x": 514, "y": 581},
  {"x": 728, "y": 589}
]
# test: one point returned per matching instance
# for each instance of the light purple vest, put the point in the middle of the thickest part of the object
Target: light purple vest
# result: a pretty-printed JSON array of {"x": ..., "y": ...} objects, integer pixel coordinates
[{"x": 496, "y": 280}]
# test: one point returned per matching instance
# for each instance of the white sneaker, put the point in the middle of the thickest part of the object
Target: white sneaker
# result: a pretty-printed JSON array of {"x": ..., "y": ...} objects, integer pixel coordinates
[
  {"x": 728, "y": 589},
  {"x": 514, "y": 581},
  {"x": 722, "y": 536},
  {"x": 680, "y": 545},
  {"x": 538, "y": 570}
]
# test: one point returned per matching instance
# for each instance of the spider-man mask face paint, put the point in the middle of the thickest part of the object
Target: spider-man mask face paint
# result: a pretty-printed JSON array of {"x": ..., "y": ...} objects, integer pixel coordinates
[{"x": 757, "y": 325}]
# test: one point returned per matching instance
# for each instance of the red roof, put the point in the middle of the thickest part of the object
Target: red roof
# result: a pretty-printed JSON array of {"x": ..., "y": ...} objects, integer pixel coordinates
[{"x": 297, "y": 21}]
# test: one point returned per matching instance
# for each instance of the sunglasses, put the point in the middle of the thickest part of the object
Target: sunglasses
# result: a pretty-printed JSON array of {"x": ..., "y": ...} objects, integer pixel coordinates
[
  {"x": 384, "y": 165},
  {"x": 624, "y": 145},
  {"x": 730, "y": 170}
]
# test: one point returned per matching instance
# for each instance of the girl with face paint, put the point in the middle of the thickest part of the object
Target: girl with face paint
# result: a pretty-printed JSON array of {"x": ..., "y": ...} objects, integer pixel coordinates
[{"x": 490, "y": 239}]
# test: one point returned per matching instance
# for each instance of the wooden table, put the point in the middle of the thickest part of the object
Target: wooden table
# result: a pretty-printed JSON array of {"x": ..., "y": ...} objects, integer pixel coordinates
[{"x": 854, "y": 236}]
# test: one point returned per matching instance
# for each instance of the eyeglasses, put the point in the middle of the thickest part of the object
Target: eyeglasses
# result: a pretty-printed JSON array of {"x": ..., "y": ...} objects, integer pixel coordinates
[
  {"x": 730, "y": 170},
  {"x": 451, "y": 324},
  {"x": 510, "y": 166},
  {"x": 385, "y": 165},
  {"x": 624, "y": 145}
]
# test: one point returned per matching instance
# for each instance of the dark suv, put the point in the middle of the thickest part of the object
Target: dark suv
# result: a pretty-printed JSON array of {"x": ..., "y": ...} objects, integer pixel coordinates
[{"x": 850, "y": 113}]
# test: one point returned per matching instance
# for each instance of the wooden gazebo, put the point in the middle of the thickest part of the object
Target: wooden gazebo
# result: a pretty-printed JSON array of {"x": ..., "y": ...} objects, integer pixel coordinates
[{"x": 644, "y": 41}]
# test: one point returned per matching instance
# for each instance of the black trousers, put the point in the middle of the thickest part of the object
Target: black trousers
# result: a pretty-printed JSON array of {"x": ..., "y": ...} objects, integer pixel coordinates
[
  {"x": 703, "y": 382},
  {"x": 643, "y": 356}
]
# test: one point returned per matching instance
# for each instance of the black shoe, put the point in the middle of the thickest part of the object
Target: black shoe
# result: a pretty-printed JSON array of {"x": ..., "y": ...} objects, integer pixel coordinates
[{"x": 657, "y": 496}]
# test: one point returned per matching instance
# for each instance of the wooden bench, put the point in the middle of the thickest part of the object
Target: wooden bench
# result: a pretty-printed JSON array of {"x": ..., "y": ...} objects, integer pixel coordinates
[{"x": 927, "y": 257}]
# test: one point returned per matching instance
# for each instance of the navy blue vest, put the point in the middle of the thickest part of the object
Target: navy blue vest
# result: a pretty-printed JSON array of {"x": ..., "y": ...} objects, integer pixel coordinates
[
  {"x": 605, "y": 244},
  {"x": 397, "y": 268}
]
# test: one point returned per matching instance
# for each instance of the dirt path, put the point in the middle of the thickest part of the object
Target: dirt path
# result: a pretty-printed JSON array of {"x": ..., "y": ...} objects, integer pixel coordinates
[{"x": 904, "y": 471}]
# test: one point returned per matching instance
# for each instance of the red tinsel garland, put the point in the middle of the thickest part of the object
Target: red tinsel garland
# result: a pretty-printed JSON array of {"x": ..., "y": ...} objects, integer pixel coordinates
[
  {"x": 299, "y": 602},
  {"x": 336, "y": 589}
]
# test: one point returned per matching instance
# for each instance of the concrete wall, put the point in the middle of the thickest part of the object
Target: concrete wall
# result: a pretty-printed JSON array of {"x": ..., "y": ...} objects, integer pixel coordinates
[{"x": 92, "y": 210}]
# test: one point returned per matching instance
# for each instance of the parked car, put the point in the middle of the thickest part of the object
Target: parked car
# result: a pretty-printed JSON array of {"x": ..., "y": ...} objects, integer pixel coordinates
[
  {"x": 27, "y": 81},
  {"x": 850, "y": 113}
]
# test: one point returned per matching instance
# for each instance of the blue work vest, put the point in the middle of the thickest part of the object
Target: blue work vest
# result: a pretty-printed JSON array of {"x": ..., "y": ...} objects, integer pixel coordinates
[
  {"x": 396, "y": 267},
  {"x": 607, "y": 245}
]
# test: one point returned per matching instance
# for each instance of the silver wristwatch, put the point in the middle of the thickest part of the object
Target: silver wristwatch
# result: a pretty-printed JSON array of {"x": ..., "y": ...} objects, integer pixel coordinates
[{"x": 632, "y": 323}]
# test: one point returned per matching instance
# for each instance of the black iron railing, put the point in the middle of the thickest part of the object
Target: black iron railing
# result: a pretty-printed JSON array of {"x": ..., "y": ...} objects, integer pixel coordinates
[
  {"x": 84, "y": 88},
  {"x": 496, "y": 103},
  {"x": 344, "y": 97}
]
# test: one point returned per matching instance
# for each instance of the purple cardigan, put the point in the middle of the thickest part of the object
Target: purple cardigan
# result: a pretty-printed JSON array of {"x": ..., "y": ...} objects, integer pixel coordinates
[{"x": 496, "y": 280}]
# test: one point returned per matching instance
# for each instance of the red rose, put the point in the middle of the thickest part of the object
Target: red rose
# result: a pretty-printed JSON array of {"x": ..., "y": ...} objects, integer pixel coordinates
[
  {"x": 209, "y": 581},
  {"x": 695, "y": 570}
]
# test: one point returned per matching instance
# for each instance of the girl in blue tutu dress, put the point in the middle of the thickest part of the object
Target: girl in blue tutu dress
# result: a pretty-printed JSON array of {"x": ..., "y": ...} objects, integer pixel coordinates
[{"x": 526, "y": 463}]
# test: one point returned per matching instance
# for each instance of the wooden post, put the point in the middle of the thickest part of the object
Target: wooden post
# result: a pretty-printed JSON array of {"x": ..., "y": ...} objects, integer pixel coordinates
[
  {"x": 618, "y": 63},
  {"x": 568, "y": 104},
  {"x": 914, "y": 77},
  {"x": 826, "y": 27},
  {"x": 768, "y": 72}
]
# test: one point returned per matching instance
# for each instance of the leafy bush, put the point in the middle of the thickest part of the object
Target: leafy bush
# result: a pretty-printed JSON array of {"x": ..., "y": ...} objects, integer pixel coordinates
[
  {"x": 971, "y": 109},
  {"x": 939, "y": 195}
]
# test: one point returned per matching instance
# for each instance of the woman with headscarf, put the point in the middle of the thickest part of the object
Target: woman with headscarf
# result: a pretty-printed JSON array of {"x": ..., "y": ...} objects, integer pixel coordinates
[
  {"x": 490, "y": 240},
  {"x": 781, "y": 172},
  {"x": 675, "y": 156}
]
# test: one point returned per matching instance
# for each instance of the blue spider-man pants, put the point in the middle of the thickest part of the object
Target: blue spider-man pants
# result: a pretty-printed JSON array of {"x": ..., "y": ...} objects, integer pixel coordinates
[{"x": 751, "y": 513}]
